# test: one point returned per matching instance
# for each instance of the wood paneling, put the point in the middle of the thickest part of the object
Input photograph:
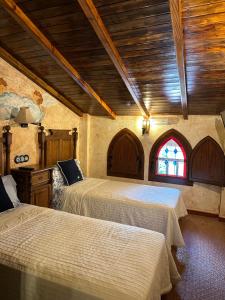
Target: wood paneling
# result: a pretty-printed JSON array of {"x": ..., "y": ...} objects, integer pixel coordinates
[
  {"x": 101, "y": 31},
  {"x": 125, "y": 156},
  {"x": 204, "y": 27},
  {"x": 207, "y": 162},
  {"x": 57, "y": 145},
  {"x": 18, "y": 14},
  {"x": 142, "y": 32},
  {"x": 15, "y": 63}
]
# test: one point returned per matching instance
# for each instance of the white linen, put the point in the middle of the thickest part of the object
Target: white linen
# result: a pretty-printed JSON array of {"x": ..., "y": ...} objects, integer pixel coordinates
[
  {"x": 10, "y": 188},
  {"x": 83, "y": 258},
  {"x": 150, "y": 207}
]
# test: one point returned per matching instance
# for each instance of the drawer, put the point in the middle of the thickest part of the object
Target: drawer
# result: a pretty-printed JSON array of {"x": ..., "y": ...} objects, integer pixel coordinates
[{"x": 39, "y": 178}]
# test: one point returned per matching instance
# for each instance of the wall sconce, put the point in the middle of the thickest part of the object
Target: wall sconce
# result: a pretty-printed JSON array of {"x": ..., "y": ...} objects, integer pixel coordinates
[
  {"x": 145, "y": 126},
  {"x": 24, "y": 117}
]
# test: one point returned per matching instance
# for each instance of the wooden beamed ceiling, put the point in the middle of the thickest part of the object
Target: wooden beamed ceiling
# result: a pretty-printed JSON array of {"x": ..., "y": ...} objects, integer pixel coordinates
[
  {"x": 137, "y": 56},
  {"x": 94, "y": 18}
]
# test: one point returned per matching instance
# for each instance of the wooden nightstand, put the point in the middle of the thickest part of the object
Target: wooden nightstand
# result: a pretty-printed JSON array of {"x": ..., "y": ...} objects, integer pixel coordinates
[{"x": 34, "y": 186}]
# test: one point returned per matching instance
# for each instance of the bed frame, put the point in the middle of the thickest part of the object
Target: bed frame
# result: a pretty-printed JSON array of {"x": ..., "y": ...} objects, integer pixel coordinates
[
  {"x": 56, "y": 145},
  {"x": 5, "y": 147}
]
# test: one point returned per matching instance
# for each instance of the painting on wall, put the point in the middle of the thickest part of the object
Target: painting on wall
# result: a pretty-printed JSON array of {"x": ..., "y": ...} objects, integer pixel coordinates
[{"x": 11, "y": 101}]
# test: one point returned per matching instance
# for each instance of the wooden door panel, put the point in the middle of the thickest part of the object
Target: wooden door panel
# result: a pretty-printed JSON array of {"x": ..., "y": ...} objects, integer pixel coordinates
[{"x": 125, "y": 156}]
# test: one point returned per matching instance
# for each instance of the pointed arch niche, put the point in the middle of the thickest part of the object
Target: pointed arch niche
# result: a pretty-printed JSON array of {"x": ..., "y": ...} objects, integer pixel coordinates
[
  {"x": 169, "y": 159},
  {"x": 125, "y": 157},
  {"x": 207, "y": 162}
]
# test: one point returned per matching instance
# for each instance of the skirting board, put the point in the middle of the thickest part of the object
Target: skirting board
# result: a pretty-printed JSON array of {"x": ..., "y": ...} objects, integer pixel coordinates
[
  {"x": 202, "y": 213},
  {"x": 206, "y": 214}
]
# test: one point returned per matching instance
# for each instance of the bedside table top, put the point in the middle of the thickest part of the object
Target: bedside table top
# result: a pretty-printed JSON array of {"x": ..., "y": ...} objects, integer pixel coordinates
[{"x": 36, "y": 169}]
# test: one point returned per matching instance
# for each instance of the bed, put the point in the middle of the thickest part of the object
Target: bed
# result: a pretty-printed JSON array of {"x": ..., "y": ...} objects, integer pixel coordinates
[
  {"x": 63, "y": 256},
  {"x": 154, "y": 208},
  {"x": 47, "y": 254}
]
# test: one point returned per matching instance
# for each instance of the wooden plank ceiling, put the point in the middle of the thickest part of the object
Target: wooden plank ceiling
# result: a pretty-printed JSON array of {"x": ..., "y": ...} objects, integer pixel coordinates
[
  {"x": 204, "y": 32},
  {"x": 142, "y": 33}
]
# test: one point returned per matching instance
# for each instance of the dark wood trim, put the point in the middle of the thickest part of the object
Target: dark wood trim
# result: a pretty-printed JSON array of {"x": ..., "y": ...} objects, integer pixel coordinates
[
  {"x": 221, "y": 219},
  {"x": 200, "y": 170},
  {"x": 176, "y": 17},
  {"x": 1, "y": 157},
  {"x": 17, "y": 13},
  {"x": 202, "y": 213},
  {"x": 95, "y": 20},
  {"x": 7, "y": 142},
  {"x": 56, "y": 139},
  {"x": 152, "y": 159},
  {"x": 139, "y": 160}
]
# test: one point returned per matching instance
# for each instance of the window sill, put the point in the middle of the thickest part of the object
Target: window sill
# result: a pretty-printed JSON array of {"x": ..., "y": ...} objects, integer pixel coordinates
[{"x": 172, "y": 180}]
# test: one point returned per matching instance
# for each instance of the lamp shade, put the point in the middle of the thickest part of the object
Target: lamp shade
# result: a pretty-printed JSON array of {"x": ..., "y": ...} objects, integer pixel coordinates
[{"x": 24, "y": 116}]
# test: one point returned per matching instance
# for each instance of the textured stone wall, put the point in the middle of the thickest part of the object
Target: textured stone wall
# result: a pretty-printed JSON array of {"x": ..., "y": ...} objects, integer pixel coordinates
[{"x": 199, "y": 197}]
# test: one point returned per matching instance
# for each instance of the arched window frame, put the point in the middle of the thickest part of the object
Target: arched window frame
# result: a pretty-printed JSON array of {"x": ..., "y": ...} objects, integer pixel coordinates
[{"x": 157, "y": 146}]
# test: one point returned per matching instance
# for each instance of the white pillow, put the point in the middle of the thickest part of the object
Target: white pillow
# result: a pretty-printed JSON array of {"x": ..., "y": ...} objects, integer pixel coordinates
[
  {"x": 79, "y": 167},
  {"x": 10, "y": 187}
]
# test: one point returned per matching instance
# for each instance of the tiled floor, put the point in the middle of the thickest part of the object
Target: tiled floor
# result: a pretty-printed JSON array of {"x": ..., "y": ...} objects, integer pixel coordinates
[{"x": 202, "y": 262}]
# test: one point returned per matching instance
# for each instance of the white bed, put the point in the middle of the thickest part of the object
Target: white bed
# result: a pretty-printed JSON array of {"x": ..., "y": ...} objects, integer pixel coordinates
[
  {"x": 65, "y": 257},
  {"x": 150, "y": 207}
]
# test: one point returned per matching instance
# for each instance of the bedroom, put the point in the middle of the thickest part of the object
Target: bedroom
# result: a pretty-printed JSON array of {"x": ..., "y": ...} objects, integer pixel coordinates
[{"x": 112, "y": 69}]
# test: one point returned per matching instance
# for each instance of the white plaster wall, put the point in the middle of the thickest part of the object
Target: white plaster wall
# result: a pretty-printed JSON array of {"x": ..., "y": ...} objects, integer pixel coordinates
[{"x": 199, "y": 197}]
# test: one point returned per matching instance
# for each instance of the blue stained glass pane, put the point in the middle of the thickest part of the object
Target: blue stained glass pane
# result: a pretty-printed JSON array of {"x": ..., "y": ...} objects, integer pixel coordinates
[
  {"x": 166, "y": 150},
  {"x": 166, "y": 162},
  {"x": 175, "y": 151},
  {"x": 175, "y": 163}
]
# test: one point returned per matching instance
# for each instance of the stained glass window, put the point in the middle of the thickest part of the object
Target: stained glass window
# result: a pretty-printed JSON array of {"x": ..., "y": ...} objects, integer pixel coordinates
[{"x": 171, "y": 159}]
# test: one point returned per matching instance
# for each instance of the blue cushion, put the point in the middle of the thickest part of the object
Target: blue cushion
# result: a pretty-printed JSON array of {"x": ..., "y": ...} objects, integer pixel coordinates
[
  {"x": 5, "y": 202},
  {"x": 70, "y": 171}
]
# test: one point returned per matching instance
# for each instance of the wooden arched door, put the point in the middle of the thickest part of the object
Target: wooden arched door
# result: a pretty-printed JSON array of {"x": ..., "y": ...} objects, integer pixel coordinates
[
  {"x": 125, "y": 156},
  {"x": 207, "y": 162}
]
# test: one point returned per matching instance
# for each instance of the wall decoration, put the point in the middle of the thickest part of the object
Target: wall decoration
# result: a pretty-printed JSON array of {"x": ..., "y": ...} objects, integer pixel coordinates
[{"x": 11, "y": 101}]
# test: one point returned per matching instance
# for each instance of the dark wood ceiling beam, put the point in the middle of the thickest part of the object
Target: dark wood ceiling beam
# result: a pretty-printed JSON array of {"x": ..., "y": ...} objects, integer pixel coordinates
[
  {"x": 176, "y": 17},
  {"x": 40, "y": 82},
  {"x": 17, "y": 13},
  {"x": 94, "y": 18}
]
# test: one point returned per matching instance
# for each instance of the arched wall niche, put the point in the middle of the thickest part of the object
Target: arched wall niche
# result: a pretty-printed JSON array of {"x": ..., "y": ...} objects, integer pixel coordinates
[
  {"x": 153, "y": 159},
  {"x": 125, "y": 157},
  {"x": 208, "y": 163}
]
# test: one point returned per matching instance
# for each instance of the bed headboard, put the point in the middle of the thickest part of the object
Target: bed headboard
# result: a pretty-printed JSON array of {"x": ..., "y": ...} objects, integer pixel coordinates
[
  {"x": 5, "y": 147},
  {"x": 57, "y": 145}
]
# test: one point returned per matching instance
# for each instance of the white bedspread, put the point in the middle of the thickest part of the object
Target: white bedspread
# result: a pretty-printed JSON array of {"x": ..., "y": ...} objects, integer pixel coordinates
[
  {"x": 82, "y": 258},
  {"x": 150, "y": 207}
]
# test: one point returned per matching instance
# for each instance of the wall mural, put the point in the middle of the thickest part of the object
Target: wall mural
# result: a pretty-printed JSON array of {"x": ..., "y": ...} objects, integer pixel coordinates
[{"x": 11, "y": 101}]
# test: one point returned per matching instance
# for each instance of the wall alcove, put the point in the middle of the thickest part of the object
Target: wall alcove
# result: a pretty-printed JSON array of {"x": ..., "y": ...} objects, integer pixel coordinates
[
  {"x": 207, "y": 162},
  {"x": 169, "y": 159},
  {"x": 125, "y": 157}
]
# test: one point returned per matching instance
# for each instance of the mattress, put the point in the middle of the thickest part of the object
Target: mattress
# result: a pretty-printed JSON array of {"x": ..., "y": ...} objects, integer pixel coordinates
[
  {"x": 56, "y": 255},
  {"x": 150, "y": 207}
]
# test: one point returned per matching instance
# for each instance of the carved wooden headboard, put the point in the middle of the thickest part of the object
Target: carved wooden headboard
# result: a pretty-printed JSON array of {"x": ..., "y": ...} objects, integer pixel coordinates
[
  {"x": 57, "y": 145},
  {"x": 5, "y": 146}
]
